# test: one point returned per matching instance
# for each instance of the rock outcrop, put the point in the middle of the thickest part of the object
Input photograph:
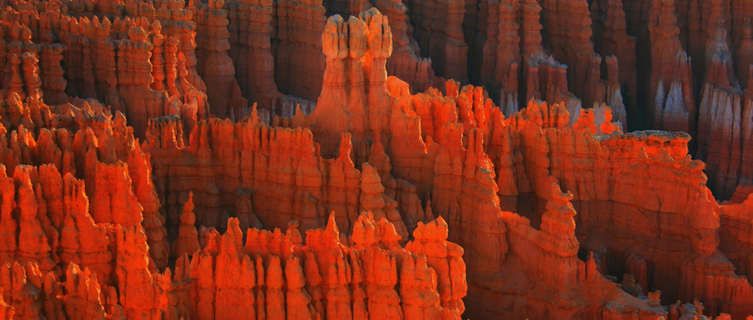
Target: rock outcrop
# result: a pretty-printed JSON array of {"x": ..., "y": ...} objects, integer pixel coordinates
[
  {"x": 198, "y": 160},
  {"x": 251, "y": 157},
  {"x": 279, "y": 275},
  {"x": 251, "y": 31},
  {"x": 214, "y": 63},
  {"x": 439, "y": 32},
  {"x": 60, "y": 153},
  {"x": 567, "y": 32},
  {"x": 611, "y": 38},
  {"x": 299, "y": 62},
  {"x": 405, "y": 61}
]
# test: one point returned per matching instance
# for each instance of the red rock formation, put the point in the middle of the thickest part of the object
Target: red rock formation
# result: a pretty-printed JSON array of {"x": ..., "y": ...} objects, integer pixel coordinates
[
  {"x": 309, "y": 186},
  {"x": 83, "y": 299},
  {"x": 134, "y": 78},
  {"x": 118, "y": 192},
  {"x": 369, "y": 44},
  {"x": 522, "y": 71},
  {"x": 177, "y": 19},
  {"x": 13, "y": 81},
  {"x": 82, "y": 241},
  {"x": 7, "y": 312},
  {"x": 567, "y": 29},
  {"x": 33, "y": 243},
  {"x": 446, "y": 259},
  {"x": 278, "y": 276},
  {"x": 611, "y": 38},
  {"x": 105, "y": 67},
  {"x": 33, "y": 83},
  {"x": 83, "y": 200},
  {"x": 535, "y": 180},
  {"x": 741, "y": 32},
  {"x": 405, "y": 62},
  {"x": 723, "y": 122},
  {"x": 141, "y": 292},
  {"x": 671, "y": 104},
  {"x": 188, "y": 238},
  {"x": 735, "y": 241},
  {"x": 722, "y": 116},
  {"x": 34, "y": 294},
  {"x": 22, "y": 289},
  {"x": 214, "y": 63},
  {"x": 53, "y": 81},
  {"x": 439, "y": 32},
  {"x": 584, "y": 205},
  {"x": 714, "y": 35},
  {"x": 499, "y": 34},
  {"x": 92, "y": 40},
  {"x": 477, "y": 116},
  {"x": 299, "y": 50},
  {"x": 251, "y": 49}
]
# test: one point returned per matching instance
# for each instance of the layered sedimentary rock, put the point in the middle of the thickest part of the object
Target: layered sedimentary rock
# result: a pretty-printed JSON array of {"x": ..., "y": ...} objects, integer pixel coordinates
[
  {"x": 116, "y": 175},
  {"x": 672, "y": 104},
  {"x": 299, "y": 62},
  {"x": 126, "y": 63},
  {"x": 52, "y": 74},
  {"x": 516, "y": 177},
  {"x": 251, "y": 32},
  {"x": 214, "y": 63},
  {"x": 74, "y": 190},
  {"x": 188, "y": 238},
  {"x": 668, "y": 95},
  {"x": 463, "y": 135},
  {"x": 250, "y": 157},
  {"x": 451, "y": 205},
  {"x": 735, "y": 242},
  {"x": 473, "y": 110},
  {"x": 405, "y": 61},
  {"x": 723, "y": 121},
  {"x": 279, "y": 275},
  {"x": 498, "y": 28},
  {"x": 567, "y": 32},
  {"x": 360, "y": 46},
  {"x": 439, "y": 32},
  {"x": 108, "y": 239},
  {"x": 509, "y": 59},
  {"x": 610, "y": 37},
  {"x": 715, "y": 35}
]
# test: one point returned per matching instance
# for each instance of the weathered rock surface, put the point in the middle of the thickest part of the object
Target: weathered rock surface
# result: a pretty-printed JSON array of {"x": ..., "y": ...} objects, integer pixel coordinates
[
  {"x": 279, "y": 275},
  {"x": 299, "y": 62},
  {"x": 153, "y": 152},
  {"x": 267, "y": 176},
  {"x": 251, "y": 31},
  {"x": 214, "y": 63},
  {"x": 439, "y": 31},
  {"x": 405, "y": 61}
]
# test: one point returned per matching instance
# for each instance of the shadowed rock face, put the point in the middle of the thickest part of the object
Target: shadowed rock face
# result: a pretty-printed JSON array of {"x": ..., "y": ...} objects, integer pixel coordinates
[{"x": 376, "y": 159}]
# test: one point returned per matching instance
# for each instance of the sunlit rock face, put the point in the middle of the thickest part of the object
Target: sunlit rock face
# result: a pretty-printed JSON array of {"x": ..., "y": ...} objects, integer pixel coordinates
[{"x": 376, "y": 159}]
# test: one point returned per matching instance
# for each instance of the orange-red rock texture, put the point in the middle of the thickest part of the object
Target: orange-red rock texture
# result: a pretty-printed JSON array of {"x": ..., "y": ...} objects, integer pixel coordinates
[{"x": 376, "y": 159}]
